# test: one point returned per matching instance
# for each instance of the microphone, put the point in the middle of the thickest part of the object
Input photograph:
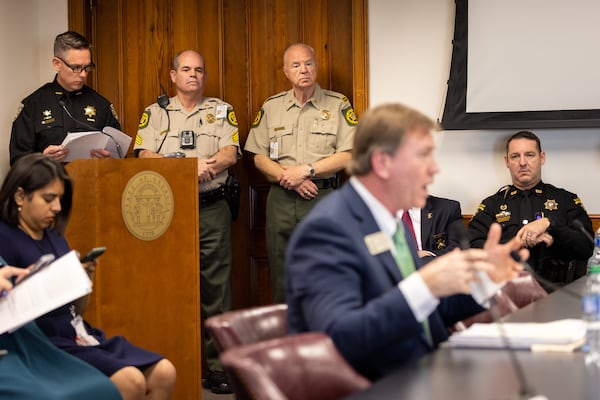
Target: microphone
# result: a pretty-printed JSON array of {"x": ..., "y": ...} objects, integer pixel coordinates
[
  {"x": 62, "y": 103},
  {"x": 163, "y": 101},
  {"x": 579, "y": 225},
  {"x": 525, "y": 390}
]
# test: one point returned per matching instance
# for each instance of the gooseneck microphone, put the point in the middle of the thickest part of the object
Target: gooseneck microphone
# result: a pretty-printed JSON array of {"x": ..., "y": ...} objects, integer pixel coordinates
[
  {"x": 525, "y": 390},
  {"x": 62, "y": 103}
]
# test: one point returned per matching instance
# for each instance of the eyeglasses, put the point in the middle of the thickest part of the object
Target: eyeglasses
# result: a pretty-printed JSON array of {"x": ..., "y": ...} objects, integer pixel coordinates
[{"x": 78, "y": 68}]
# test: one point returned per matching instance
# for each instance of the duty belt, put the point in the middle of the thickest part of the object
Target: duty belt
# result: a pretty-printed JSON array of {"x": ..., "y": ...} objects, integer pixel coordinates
[
  {"x": 211, "y": 196},
  {"x": 326, "y": 183}
]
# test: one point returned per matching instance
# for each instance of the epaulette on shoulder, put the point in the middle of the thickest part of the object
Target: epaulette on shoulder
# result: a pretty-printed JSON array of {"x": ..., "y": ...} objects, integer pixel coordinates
[
  {"x": 334, "y": 94},
  {"x": 276, "y": 96}
]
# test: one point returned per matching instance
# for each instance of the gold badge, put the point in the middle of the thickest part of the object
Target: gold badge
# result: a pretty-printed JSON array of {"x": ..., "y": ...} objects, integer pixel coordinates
[
  {"x": 325, "y": 115},
  {"x": 551, "y": 205},
  {"x": 513, "y": 192},
  {"x": 503, "y": 207},
  {"x": 147, "y": 205},
  {"x": 47, "y": 117},
  {"x": 503, "y": 216},
  {"x": 90, "y": 113},
  {"x": 210, "y": 118}
]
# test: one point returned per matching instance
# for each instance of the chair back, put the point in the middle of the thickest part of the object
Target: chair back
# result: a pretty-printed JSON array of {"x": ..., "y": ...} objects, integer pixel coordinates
[
  {"x": 295, "y": 367},
  {"x": 239, "y": 327},
  {"x": 517, "y": 293}
]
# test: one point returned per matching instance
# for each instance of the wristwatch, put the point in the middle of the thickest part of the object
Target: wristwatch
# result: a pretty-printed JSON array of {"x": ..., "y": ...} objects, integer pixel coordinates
[{"x": 311, "y": 171}]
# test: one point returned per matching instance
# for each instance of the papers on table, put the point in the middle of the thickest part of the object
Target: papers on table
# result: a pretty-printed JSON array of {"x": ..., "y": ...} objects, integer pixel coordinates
[
  {"x": 557, "y": 335},
  {"x": 81, "y": 143},
  {"x": 57, "y": 284}
]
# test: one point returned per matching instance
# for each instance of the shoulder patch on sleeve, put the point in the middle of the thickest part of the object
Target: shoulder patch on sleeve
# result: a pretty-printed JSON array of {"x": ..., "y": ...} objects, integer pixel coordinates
[
  {"x": 21, "y": 106},
  {"x": 144, "y": 120},
  {"x": 231, "y": 118},
  {"x": 349, "y": 115},
  {"x": 258, "y": 118},
  {"x": 114, "y": 112}
]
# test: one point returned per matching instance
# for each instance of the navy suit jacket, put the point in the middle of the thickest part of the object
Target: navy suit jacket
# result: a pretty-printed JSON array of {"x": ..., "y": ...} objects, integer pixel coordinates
[
  {"x": 442, "y": 226},
  {"x": 336, "y": 285}
]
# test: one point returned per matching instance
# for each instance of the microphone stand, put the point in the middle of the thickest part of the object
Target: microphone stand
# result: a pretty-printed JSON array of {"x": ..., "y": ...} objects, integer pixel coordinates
[
  {"x": 526, "y": 392},
  {"x": 61, "y": 102}
]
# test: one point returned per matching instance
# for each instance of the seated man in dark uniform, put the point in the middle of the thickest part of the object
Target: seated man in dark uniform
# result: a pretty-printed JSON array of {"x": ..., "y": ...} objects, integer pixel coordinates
[{"x": 539, "y": 214}]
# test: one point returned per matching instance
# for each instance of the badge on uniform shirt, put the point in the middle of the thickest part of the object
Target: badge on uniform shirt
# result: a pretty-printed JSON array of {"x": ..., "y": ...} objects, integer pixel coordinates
[
  {"x": 90, "y": 113},
  {"x": 503, "y": 216},
  {"x": 503, "y": 207},
  {"x": 210, "y": 118},
  {"x": 221, "y": 111},
  {"x": 349, "y": 116},
  {"x": 47, "y": 117},
  {"x": 144, "y": 120},
  {"x": 325, "y": 115},
  {"x": 377, "y": 243},
  {"x": 551, "y": 205}
]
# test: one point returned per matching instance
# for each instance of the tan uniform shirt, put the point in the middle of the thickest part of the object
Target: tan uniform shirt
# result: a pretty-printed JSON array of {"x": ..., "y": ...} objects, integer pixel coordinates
[
  {"x": 291, "y": 134},
  {"x": 200, "y": 133}
]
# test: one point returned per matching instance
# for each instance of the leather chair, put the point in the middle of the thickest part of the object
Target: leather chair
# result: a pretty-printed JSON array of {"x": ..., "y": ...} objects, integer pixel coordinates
[
  {"x": 296, "y": 367},
  {"x": 516, "y": 294},
  {"x": 239, "y": 327}
]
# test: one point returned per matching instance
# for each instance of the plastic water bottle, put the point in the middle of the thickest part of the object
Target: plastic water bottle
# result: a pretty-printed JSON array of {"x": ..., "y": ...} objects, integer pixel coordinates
[{"x": 591, "y": 306}]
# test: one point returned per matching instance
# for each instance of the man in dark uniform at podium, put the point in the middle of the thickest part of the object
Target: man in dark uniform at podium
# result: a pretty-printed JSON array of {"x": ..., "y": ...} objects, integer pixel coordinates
[{"x": 42, "y": 122}]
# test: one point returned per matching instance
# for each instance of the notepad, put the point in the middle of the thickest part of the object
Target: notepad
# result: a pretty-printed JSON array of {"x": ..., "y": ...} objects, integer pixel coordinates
[
  {"x": 548, "y": 336},
  {"x": 59, "y": 283},
  {"x": 81, "y": 143}
]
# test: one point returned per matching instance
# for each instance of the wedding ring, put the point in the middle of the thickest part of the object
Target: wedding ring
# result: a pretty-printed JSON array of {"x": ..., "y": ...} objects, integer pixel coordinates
[
  {"x": 528, "y": 234},
  {"x": 306, "y": 192}
]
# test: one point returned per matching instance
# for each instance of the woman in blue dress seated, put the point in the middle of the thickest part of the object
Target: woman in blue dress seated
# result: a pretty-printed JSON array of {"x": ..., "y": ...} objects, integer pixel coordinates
[
  {"x": 33, "y": 368},
  {"x": 35, "y": 204}
]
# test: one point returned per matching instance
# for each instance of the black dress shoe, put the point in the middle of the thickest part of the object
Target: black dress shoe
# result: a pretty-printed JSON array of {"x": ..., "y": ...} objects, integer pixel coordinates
[{"x": 217, "y": 382}]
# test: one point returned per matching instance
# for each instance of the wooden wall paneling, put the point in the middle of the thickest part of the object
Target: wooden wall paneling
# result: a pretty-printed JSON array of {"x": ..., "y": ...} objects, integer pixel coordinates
[{"x": 360, "y": 56}]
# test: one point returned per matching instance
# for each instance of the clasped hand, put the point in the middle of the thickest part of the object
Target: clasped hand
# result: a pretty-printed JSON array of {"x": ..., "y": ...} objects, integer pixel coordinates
[{"x": 534, "y": 233}]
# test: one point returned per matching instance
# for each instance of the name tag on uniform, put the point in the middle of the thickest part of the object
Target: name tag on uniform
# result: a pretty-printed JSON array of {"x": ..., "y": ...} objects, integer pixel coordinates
[
  {"x": 274, "y": 151},
  {"x": 221, "y": 111}
]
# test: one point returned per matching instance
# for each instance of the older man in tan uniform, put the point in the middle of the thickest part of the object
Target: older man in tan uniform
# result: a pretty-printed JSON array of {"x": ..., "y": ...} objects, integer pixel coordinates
[{"x": 301, "y": 138}]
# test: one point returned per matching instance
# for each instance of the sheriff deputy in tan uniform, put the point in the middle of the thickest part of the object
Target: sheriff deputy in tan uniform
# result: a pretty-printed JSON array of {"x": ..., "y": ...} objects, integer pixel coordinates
[
  {"x": 205, "y": 128},
  {"x": 300, "y": 139}
]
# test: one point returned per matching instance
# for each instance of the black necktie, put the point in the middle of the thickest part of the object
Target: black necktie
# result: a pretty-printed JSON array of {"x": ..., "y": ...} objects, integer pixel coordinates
[{"x": 526, "y": 207}]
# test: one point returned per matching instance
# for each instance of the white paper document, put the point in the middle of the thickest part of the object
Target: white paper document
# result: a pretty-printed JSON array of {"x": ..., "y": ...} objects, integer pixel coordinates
[
  {"x": 521, "y": 335},
  {"x": 59, "y": 283},
  {"x": 81, "y": 143}
]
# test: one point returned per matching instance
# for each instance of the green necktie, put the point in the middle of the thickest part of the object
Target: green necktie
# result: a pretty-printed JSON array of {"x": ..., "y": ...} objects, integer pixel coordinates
[{"x": 406, "y": 264}]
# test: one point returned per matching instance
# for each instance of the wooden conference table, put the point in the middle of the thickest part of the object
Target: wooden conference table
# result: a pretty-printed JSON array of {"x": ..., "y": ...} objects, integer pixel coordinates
[{"x": 488, "y": 374}]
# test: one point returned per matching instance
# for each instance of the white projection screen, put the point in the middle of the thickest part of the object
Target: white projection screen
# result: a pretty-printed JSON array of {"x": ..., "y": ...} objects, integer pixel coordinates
[{"x": 524, "y": 64}]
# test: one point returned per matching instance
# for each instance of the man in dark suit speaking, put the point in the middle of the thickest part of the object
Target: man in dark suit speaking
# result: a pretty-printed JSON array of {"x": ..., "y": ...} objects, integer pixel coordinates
[{"x": 352, "y": 273}]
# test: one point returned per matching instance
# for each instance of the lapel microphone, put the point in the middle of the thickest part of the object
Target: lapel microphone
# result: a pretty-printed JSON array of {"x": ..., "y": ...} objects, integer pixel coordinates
[{"x": 62, "y": 103}]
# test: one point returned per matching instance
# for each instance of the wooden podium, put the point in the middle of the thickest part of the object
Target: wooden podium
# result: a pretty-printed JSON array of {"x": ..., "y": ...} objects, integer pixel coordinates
[{"x": 147, "y": 284}]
